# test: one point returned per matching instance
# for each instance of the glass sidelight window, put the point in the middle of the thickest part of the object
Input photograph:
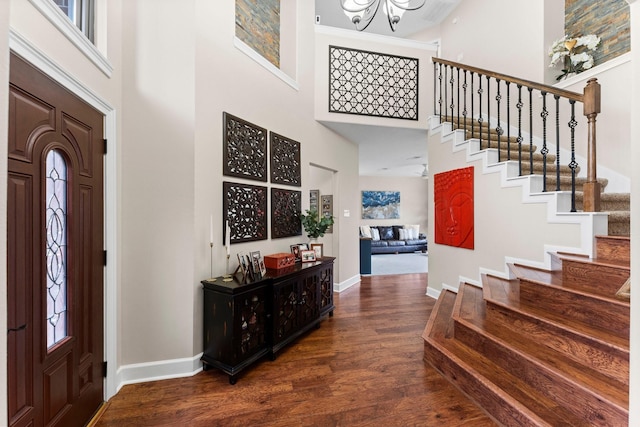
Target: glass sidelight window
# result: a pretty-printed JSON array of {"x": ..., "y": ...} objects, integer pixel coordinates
[{"x": 56, "y": 246}]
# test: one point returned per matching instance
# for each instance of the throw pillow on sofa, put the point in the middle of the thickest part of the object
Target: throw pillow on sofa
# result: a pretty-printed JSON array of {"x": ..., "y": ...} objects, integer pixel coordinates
[
  {"x": 365, "y": 231},
  {"x": 386, "y": 233},
  {"x": 414, "y": 231},
  {"x": 375, "y": 234}
]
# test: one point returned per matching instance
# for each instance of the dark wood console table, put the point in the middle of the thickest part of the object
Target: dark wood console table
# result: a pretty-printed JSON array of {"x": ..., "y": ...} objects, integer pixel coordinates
[{"x": 245, "y": 321}]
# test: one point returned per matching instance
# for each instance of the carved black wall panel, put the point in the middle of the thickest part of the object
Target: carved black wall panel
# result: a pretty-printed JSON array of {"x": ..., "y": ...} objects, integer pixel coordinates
[
  {"x": 245, "y": 149},
  {"x": 285, "y": 160},
  {"x": 372, "y": 84},
  {"x": 285, "y": 213},
  {"x": 245, "y": 206}
]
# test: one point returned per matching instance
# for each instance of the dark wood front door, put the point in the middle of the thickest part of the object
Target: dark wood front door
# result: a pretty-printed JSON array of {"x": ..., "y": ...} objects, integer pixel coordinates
[{"x": 55, "y": 253}]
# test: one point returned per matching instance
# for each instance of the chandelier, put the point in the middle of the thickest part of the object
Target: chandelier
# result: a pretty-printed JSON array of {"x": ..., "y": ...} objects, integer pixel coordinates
[{"x": 361, "y": 12}]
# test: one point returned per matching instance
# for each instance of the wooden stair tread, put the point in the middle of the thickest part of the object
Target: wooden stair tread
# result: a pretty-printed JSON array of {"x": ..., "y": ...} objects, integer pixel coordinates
[
  {"x": 545, "y": 358},
  {"x": 505, "y": 293},
  {"x": 557, "y": 279},
  {"x": 603, "y": 262},
  {"x": 493, "y": 376}
]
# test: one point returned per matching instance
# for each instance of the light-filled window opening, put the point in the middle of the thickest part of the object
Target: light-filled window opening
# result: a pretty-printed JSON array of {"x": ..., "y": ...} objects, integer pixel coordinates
[
  {"x": 81, "y": 13},
  {"x": 56, "y": 247}
]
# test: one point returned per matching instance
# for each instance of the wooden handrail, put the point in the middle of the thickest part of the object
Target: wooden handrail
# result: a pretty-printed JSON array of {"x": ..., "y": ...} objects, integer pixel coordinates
[{"x": 575, "y": 96}]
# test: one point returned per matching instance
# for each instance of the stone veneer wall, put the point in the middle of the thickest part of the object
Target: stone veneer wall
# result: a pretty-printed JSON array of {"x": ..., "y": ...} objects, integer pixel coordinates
[
  {"x": 608, "y": 19},
  {"x": 258, "y": 26}
]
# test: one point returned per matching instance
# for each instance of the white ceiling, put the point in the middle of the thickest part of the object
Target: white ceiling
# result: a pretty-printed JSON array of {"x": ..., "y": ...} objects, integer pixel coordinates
[{"x": 387, "y": 151}]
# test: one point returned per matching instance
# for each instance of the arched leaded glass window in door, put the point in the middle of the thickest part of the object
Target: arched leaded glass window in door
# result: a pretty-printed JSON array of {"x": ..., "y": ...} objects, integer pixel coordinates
[{"x": 56, "y": 246}]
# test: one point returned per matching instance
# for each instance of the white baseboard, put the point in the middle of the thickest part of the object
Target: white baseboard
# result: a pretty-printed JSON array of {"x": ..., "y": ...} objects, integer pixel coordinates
[
  {"x": 342, "y": 286},
  {"x": 158, "y": 370}
]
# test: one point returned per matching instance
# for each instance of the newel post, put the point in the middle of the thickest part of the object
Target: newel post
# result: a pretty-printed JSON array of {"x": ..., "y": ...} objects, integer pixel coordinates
[{"x": 591, "y": 109}]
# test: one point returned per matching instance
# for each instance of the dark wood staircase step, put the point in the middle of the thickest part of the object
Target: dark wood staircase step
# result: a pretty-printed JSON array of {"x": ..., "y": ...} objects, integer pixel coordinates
[
  {"x": 503, "y": 396},
  {"x": 600, "y": 276},
  {"x": 614, "y": 248},
  {"x": 505, "y": 294},
  {"x": 603, "y": 357},
  {"x": 600, "y": 313},
  {"x": 569, "y": 383}
]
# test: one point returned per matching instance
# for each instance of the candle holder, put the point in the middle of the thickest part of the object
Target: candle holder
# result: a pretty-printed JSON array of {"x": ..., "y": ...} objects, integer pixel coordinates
[
  {"x": 211, "y": 278},
  {"x": 227, "y": 277}
]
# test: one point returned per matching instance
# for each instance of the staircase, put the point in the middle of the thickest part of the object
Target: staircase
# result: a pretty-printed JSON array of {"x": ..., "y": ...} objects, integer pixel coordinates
[
  {"x": 548, "y": 348},
  {"x": 616, "y": 205}
]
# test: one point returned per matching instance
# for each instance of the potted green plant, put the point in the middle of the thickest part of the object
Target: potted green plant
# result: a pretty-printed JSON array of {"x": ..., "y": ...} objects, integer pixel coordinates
[{"x": 313, "y": 225}]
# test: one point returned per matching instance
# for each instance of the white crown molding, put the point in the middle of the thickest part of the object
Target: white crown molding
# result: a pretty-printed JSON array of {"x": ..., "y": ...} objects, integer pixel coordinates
[{"x": 59, "y": 20}]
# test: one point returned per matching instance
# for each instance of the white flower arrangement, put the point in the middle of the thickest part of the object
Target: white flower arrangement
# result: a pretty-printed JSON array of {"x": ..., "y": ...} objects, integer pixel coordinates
[{"x": 574, "y": 53}]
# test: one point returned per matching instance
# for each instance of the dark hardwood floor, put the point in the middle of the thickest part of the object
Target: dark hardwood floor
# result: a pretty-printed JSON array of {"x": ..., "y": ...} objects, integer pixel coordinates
[{"x": 363, "y": 367}]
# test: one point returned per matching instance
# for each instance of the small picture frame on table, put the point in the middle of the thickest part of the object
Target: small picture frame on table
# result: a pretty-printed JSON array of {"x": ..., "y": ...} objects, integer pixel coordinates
[
  {"x": 308, "y": 255},
  {"x": 257, "y": 264},
  {"x": 317, "y": 248},
  {"x": 242, "y": 261},
  {"x": 295, "y": 250}
]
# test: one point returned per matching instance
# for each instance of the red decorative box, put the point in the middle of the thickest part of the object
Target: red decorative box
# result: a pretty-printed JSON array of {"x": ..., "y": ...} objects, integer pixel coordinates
[{"x": 279, "y": 260}]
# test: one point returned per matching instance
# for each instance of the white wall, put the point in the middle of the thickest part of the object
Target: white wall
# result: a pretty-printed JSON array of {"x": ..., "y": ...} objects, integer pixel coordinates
[
  {"x": 158, "y": 195},
  {"x": 414, "y": 200},
  {"x": 491, "y": 35}
]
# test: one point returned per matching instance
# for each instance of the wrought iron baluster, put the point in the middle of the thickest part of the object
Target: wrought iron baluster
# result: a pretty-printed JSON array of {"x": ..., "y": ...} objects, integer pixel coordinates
[
  {"x": 446, "y": 69},
  {"x": 440, "y": 93},
  {"x": 530, "y": 130},
  {"x": 464, "y": 97},
  {"x": 573, "y": 164},
  {"x": 498, "y": 127},
  {"x": 435, "y": 89},
  {"x": 557, "y": 98},
  {"x": 452, "y": 105},
  {"x": 519, "y": 105},
  {"x": 473, "y": 120},
  {"x": 508, "y": 120},
  {"x": 458, "y": 103},
  {"x": 480, "y": 108},
  {"x": 488, "y": 112},
  {"x": 544, "y": 150}
]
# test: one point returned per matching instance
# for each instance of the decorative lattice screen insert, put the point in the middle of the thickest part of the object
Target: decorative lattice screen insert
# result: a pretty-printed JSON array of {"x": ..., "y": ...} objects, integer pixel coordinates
[{"x": 372, "y": 84}]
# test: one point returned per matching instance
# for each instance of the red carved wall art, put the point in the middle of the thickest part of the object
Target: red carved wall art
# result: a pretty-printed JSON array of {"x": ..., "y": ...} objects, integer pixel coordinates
[{"x": 453, "y": 199}]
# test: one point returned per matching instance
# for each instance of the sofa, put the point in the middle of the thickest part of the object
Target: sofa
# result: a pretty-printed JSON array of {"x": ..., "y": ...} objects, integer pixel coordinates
[{"x": 394, "y": 239}]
